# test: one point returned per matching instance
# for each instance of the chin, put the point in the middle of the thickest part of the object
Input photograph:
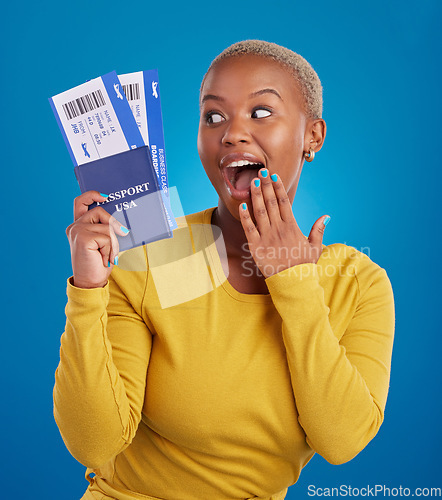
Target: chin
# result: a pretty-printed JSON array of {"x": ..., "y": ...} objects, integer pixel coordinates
[{"x": 232, "y": 206}]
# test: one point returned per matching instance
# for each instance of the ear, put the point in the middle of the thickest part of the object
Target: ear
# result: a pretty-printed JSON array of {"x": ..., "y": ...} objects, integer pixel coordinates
[{"x": 314, "y": 134}]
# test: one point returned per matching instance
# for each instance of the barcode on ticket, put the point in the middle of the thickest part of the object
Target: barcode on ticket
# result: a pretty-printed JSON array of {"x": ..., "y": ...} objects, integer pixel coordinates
[
  {"x": 132, "y": 91},
  {"x": 84, "y": 104}
]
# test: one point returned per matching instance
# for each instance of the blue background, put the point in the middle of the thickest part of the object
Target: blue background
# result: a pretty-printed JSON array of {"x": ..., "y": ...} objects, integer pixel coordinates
[{"x": 378, "y": 176}]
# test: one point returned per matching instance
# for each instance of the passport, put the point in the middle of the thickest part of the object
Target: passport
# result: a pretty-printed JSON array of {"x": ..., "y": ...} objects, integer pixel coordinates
[
  {"x": 134, "y": 194},
  {"x": 111, "y": 156}
]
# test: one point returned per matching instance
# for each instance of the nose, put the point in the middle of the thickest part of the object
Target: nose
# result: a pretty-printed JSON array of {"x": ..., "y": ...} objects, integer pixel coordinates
[{"x": 236, "y": 132}]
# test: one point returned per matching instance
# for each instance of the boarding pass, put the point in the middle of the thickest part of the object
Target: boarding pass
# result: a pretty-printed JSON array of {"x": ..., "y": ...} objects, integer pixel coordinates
[
  {"x": 143, "y": 93},
  {"x": 96, "y": 120}
]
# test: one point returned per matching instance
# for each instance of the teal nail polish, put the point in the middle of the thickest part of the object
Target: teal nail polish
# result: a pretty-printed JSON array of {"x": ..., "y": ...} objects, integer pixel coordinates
[
  {"x": 104, "y": 195},
  {"x": 257, "y": 182},
  {"x": 124, "y": 229},
  {"x": 108, "y": 264},
  {"x": 274, "y": 177},
  {"x": 244, "y": 206},
  {"x": 326, "y": 220},
  {"x": 116, "y": 261},
  {"x": 264, "y": 173}
]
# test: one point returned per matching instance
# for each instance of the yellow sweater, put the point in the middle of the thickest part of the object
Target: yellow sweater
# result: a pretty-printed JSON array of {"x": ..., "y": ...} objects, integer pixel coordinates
[{"x": 173, "y": 385}]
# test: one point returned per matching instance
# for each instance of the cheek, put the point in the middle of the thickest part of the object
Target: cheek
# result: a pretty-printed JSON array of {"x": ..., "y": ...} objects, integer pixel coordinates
[
  {"x": 200, "y": 142},
  {"x": 207, "y": 154},
  {"x": 286, "y": 145},
  {"x": 205, "y": 145}
]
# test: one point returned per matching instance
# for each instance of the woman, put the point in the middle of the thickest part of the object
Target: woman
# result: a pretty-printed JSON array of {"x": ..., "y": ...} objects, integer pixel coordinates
[{"x": 213, "y": 365}]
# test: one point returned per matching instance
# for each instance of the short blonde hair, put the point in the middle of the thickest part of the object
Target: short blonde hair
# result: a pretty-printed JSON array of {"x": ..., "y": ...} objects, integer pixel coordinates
[{"x": 308, "y": 81}]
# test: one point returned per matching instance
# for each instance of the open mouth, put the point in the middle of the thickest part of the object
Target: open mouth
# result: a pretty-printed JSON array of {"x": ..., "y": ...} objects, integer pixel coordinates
[{"x": 239, "y": 175}]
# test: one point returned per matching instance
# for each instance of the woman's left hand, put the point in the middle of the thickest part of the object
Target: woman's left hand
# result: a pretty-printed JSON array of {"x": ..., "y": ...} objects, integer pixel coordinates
[{"x": 275, "y": 241}]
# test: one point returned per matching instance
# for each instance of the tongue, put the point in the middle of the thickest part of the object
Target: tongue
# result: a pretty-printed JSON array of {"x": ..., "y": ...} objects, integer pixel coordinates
[{"x": 244, "y": 178}]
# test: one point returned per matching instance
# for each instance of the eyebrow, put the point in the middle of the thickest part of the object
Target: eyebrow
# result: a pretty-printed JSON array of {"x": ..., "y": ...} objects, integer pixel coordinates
[
  {"x": 265, "y": 91},
  {"x": 213, "y": 97}
]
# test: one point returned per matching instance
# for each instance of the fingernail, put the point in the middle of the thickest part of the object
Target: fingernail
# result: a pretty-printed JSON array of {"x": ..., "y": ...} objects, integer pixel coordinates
[
  {"x": 108, "y": 264},
  {"x": 326, "y": 220},
  {"x": 244, "y": 206},
  {"x": 116, "y": 261},
  {"x": 124, "y": 229},
  {"x": 274, "y": 177},
  {"x": 257, "y": 182},
  {"x": 264, "y": 173},
  {"x": 104, "y": 195}
]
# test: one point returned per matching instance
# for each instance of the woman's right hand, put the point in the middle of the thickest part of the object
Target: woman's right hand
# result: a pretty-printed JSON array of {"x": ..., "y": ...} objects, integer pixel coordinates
[{"x": 93, "y": 241}]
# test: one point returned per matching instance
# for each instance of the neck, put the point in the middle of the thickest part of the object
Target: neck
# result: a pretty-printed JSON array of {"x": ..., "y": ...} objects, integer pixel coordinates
[
  {"x": 232, "y": 230},
  {"x": 238, "y": 254}
]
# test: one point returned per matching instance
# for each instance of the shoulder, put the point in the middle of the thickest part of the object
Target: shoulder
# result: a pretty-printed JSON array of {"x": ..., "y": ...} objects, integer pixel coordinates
[
  {"x": 136, "y": 259},
  {"x": 134, "y": 264},
  {"x": 344, "y": 262},
  {"x": 355, "y": 287},
  {"x": 187, "y": 237},
  {"x": 202, "y": 217}
]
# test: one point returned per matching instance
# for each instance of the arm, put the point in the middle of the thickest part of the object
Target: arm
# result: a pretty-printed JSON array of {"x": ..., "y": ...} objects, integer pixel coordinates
[
  {"x": 100, "y": 380},
  {"x": 340, "y": 386}
]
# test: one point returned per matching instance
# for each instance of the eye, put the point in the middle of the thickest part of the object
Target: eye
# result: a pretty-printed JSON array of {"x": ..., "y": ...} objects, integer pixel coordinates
[
  {"x": 261, "y": 113},
  {"x": 213, "y": 117}
]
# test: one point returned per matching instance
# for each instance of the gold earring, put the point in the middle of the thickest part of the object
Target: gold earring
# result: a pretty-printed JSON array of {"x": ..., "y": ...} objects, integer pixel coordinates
[{"x": 310, "y": 155}]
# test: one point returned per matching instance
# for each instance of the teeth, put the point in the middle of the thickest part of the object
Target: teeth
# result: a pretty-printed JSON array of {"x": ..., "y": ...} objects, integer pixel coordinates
[{"x": 241, "y": 163}]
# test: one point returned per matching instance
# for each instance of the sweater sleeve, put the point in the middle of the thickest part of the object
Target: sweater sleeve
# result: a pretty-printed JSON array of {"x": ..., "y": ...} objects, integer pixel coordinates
[
  {"x": 101, "y": 377},
  {"x": 340, "y": 385}
]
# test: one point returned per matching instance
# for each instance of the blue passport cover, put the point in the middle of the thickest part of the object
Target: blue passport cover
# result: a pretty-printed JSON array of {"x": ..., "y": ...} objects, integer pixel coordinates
[{"x": 134, "y": 194}]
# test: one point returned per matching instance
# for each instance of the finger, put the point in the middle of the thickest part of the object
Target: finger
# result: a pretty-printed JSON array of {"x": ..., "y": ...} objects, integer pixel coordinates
[
  {"x": 285, "y": 207},
  {"x": 249, "y": 227},
  {"x": 115, "y": 248},
  {"x": 258, "y": 205},
  {"x": 92, "y": 238},
  {"x": 102, "y": 237},
  {"x": 82, "y": 202},
  {"x": 269, "y": 196},
  {"x": 317, "y": 232},
  {"x": 99, "y": 215}
]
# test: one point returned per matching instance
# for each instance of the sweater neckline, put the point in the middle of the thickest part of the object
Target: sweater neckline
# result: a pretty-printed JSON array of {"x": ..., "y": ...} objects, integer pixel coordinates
[{"x": 216, "y": 265}]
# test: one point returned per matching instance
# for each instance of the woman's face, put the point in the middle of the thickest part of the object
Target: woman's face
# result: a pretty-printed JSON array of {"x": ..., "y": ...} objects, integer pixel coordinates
[{"x": 251, "y": 113}]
